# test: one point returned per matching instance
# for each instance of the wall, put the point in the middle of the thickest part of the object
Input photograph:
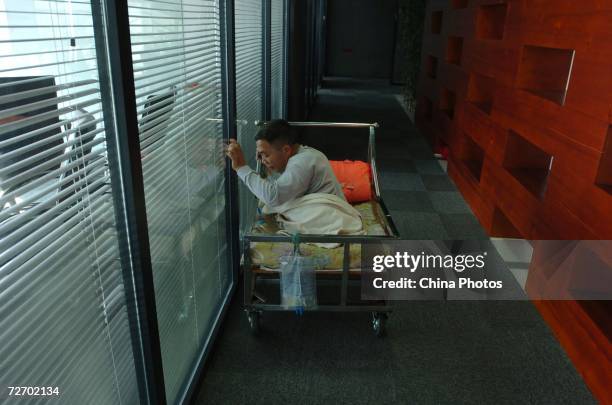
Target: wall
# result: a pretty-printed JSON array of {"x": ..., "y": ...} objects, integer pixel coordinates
[
  {"x": 360, "y": 38},
  {"x": 521, "y": 92},
  {"x": 305, "y": 40}
]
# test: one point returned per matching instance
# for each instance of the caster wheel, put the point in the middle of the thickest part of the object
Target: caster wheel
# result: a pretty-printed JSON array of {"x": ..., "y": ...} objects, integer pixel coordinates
[
  {"x": 254, "y": 322},
  {"x": 379, "y": 321}
]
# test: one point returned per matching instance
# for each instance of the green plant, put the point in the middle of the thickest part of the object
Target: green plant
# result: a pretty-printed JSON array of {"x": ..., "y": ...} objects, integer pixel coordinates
[{"x": 411, "y": 19}]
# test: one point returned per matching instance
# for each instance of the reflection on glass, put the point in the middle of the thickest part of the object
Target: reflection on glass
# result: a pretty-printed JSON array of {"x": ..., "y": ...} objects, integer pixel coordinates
[
  {"x": 277, "y": 51},
  {"x": 177, "y": 67},
  {"x": 63, "y": 316},
  {"x": 248, "y": 43}
]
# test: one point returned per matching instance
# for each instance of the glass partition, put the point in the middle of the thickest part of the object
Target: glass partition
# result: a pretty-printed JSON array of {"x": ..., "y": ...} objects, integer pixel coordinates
[
  {"x": 176, "y": 50},
  {"x": 277, "y": 55},
  {"x": 249, "y": 101},
  {"x": 63, "y": 307}
]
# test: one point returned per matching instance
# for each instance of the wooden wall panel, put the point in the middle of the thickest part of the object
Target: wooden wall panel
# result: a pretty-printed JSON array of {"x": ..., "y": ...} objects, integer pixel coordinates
[
  {"x": 534, "y": 78},
  {"x": 584, "y": 341}
]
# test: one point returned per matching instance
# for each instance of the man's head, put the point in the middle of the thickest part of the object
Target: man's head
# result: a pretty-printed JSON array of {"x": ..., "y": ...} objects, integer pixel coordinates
[{"x": 276, "y": 143}]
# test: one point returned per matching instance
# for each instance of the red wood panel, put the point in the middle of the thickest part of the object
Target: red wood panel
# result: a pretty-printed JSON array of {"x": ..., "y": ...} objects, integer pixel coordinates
[
  {"x": 510, "y": 98},
  {"x": 481, "y": 205},
  {"x": 584, "y": 341}
]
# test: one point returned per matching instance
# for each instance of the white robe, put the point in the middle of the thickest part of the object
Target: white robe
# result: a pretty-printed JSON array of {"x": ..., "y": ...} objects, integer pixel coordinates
[{"x": 318, "y": 213}]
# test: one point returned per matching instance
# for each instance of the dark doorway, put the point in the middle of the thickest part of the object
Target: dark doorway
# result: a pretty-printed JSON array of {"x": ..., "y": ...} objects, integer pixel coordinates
[{"x": 360, "y": 38}]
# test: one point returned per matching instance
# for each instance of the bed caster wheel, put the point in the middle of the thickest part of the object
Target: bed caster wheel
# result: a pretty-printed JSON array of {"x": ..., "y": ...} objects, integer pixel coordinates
[
  {"x": 379, "y": 322},
  {"x": 254, "y": 322}
]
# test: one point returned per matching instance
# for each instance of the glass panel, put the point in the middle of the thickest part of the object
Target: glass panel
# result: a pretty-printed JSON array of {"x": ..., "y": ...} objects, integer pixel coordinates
[
  {"x": 176, "y": 49},
  {"x": 63, "y": 316},
  {"x": 249, "y": 108},
  {"x": 277, "y": 50}
]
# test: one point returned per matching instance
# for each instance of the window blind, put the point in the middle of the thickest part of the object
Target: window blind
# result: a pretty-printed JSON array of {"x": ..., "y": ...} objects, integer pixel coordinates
[
  {"x": 249, "y": 59},
  {"x": 63, "y": 317},
  {"x": 176, "y": 51},
  {"x": 277, "y": 55}
]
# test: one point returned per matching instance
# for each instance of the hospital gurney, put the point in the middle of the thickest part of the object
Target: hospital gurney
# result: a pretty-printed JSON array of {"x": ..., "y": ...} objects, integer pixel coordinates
[{"x": 262, "y": 247}]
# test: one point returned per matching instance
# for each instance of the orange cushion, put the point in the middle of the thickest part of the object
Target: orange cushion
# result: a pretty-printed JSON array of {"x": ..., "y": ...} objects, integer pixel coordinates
[{"x": 355, "y": 178}]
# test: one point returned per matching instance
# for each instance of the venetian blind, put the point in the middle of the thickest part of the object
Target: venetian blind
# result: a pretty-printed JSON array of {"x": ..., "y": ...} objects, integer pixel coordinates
[
  {"x": 176, "y": 50},
  {"x": 63, "y": 317},
  {"x": 249, "y": 108},
  {"x": 277, "y": 51}
]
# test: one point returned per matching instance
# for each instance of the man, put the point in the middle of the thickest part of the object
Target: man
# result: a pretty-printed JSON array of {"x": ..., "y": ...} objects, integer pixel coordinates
[{"x": 301, "y": 170}]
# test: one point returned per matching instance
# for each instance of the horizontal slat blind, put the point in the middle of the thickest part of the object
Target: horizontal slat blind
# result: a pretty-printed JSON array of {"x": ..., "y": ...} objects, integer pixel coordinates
[
  {"x": 176, "y": 51},
  {"x": 277, "y": 51},
  {"x": 63, "y": 317},
  {"x": 249, "y": 108}
]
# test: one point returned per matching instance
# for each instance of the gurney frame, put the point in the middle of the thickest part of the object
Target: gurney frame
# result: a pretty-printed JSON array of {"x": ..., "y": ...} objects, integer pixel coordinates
[{"x": 379, "y": 309}]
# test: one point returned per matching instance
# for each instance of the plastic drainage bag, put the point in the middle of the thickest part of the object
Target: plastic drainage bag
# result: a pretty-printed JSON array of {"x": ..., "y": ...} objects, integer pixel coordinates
[{"x": 298, "y": 282}]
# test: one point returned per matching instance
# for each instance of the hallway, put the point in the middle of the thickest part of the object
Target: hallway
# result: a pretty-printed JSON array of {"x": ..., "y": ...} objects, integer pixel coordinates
[
  {"x": 434, "y": 352},
  {"x": 423, "y": 201}
]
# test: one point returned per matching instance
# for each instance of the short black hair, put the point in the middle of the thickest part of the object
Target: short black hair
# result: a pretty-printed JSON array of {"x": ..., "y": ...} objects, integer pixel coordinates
[{"x": 277, "y": 132}]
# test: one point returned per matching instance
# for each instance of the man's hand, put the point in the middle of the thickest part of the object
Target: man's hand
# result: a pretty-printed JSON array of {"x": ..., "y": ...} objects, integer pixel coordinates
[{"x": 234, "y": 152}]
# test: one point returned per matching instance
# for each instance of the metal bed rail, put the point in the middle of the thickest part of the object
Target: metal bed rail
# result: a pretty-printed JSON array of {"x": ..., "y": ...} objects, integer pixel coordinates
[
  {"x": 327, "y": 124},
  {"x": 254, "y": 309},
  {"x": 371, "y": 141},
  {"x": 379, "y": 310}
]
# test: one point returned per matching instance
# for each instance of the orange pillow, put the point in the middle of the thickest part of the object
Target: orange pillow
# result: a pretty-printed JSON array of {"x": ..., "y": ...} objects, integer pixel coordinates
[{"x": 355, "y": 178}]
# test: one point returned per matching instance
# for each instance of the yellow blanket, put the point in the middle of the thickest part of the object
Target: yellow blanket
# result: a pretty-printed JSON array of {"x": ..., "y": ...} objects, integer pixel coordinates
[{"x": 266, "y": 254}]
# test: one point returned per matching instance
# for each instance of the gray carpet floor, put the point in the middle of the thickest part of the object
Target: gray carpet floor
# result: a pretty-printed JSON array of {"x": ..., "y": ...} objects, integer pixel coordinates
[{"x": 435, "y": 352}]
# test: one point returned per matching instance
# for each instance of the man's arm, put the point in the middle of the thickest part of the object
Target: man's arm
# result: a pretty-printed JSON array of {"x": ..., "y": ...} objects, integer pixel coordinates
[{"x": 291, "y": 184}]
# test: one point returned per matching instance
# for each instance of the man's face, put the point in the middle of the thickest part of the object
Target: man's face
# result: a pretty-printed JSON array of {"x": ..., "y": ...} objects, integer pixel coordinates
[{"x": 274, "y": 157}]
